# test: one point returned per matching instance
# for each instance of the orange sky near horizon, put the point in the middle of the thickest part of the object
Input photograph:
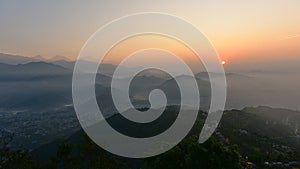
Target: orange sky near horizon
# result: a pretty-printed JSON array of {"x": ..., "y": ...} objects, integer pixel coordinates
[
  {"x": 238, "y": 49},
  {"x": 149, "y": 41},
  {"x": 240, "y": 30}
]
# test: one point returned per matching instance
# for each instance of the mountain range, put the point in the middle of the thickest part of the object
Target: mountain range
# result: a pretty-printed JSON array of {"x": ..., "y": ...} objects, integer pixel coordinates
[
  {"x": 19, "y": 59},
  {"x": 35, "y": 79}
]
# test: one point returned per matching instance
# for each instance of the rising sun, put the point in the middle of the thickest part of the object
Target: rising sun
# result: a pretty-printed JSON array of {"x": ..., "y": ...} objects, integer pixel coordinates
[{"x": 223, "y": 62}]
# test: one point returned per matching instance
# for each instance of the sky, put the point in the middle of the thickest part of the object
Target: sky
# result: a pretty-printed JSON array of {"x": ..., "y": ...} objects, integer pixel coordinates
[{"x": 242, "y": 31}]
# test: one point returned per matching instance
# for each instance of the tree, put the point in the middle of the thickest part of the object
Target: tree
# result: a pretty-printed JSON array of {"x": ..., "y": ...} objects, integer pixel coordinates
[
  {"x": 19, "y": 159},
  {"x": 190, "y": 154},
  {"x": 85, "y": 154}
]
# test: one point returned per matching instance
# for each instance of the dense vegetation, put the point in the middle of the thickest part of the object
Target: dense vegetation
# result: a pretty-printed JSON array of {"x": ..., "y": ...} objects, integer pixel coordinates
[{"x": 188, "y": 154}]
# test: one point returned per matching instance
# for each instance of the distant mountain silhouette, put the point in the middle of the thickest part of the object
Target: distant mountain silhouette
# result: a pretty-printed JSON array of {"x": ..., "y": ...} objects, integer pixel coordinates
[
  {"x": 19, "y": 59},
  {"x": 40, "y": 86},
  {"x": 31, "y": 70},
  {"x": 58, "y": 58},
  {"x": 15, "y": 59},
  {"x": 39, "y": 57},
  {"x": 243, "y": 89}
]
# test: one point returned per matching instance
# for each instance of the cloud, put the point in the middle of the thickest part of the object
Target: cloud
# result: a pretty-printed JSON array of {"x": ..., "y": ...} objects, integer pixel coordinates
[{"x": 288, "y": 37}]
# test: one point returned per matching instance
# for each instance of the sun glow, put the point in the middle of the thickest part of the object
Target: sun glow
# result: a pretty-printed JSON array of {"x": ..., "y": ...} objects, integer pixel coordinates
[{"x": 223, "y": 62}]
